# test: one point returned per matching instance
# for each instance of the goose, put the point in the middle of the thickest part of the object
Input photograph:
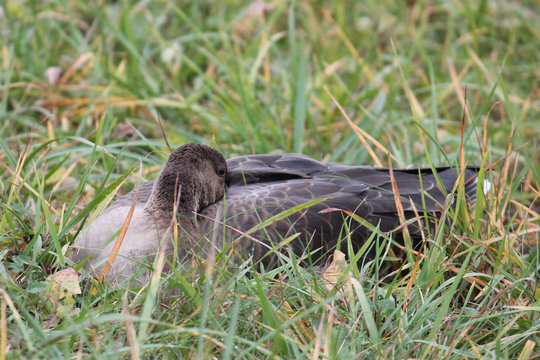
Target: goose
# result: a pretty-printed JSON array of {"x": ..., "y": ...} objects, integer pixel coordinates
[{"x": 217, "y": 201}]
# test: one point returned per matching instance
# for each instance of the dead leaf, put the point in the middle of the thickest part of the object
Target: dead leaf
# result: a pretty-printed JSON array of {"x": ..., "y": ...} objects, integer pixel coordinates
[
  {"x": 58, "y": 296},
  {"x": 68, "y": 279},
  {"x": 338, "y": 274}
]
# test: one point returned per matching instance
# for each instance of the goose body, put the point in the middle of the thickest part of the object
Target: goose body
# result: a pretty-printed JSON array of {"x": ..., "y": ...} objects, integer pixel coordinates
[{"x": 247, "y": 190}]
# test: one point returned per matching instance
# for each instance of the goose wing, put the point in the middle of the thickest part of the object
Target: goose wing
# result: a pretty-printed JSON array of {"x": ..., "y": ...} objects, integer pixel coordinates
[{"x": 262, "y": 186}]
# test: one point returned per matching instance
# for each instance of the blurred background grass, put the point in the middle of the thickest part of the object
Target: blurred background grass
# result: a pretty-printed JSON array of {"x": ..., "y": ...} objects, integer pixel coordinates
[
  {"x": 252, "y": 75},
  {"x": 85, "y": 85}
]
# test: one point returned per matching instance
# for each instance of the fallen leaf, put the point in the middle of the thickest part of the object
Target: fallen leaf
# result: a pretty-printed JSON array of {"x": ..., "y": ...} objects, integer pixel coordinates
[
  {"x": 68, "y": 279},
  {"x": 58, "y": 297},
  {"x": 338, "y": 275}
]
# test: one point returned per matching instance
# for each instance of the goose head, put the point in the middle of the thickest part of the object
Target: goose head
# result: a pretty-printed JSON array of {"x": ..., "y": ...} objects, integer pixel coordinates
[{"x": 195, "y": 174}]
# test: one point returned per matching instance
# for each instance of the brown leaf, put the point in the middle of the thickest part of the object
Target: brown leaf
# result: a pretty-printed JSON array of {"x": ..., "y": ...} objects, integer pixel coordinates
[{"x": 337, "y": 274}]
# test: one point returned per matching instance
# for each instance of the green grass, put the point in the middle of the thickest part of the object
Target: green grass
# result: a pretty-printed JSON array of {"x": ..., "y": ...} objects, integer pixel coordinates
[{"x": 224, "y": 74}]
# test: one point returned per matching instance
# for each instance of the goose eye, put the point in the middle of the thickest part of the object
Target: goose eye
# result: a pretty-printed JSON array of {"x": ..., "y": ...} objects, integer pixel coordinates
[{"x": 221, "y": 171}]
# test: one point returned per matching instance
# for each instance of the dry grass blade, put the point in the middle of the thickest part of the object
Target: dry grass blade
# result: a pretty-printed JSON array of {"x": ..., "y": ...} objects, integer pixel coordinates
[
  {"x": 460, "y": 94},
  {"x": 534, "y": 190},
  {"x": 527, "y": 209},
  {"x": 163, "y": 134},
  {"x": 416, "y": 267},
  {"x": 350, "y": 46},
  {"x": 462, "y": 163},
  {"x": 502, "y": 201},
  {"x": 528, "y": 351},
  {"x": 302, "y": 327},
  {"x": 318, "y": 340},
  {"x": 123, "y": 231},
  {"x": 16, "y": 315},
  {"x": 328, "y": 334},
  {"x": 399, "y": 208},
  {"x": 362, "y": 135},
  {"x": 83, "y": 59},
  {"x": 130, "y": 330},
  {"x": 65, "y": 176}
]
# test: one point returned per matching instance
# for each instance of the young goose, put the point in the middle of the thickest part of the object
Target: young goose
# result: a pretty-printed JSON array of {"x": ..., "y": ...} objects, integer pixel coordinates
[
  {"x": 257, "y": 187},
  {"x": 193, "y": 178}
]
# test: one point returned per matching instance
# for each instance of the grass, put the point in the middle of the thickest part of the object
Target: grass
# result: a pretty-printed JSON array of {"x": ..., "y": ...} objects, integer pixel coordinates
[{"x": 261, "y": 78}]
